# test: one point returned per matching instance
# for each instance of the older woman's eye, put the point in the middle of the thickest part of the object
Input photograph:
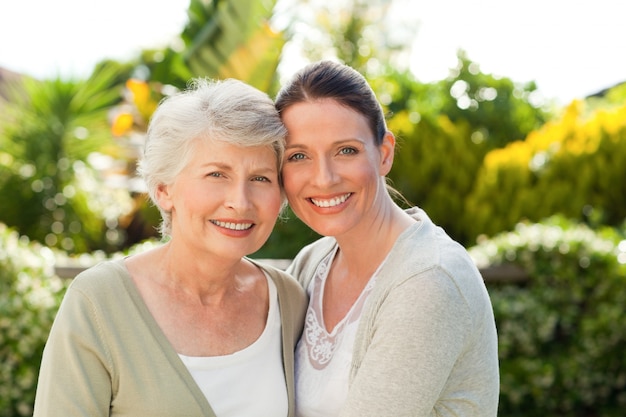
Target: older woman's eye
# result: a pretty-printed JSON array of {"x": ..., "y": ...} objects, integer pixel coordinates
[{"x": 261, "y": 178}]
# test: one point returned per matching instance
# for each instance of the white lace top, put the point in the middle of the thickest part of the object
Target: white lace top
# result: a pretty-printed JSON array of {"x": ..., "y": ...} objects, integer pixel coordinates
[{"x": 322, "y": 360}]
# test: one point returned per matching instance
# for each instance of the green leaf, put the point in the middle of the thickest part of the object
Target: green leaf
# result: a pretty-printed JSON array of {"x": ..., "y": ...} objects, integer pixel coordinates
[{"x": 233, "y": 39}]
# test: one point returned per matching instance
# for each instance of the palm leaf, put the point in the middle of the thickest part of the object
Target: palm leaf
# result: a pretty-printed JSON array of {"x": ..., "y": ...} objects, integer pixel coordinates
[
  {"x": 51, "y": 126},
  {"x": 233, "y": 39}
]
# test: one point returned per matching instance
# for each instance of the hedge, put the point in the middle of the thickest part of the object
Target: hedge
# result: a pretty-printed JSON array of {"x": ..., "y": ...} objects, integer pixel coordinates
[
  {"x": 30, "y": 294},
  {"x": 562, "y": 335}
]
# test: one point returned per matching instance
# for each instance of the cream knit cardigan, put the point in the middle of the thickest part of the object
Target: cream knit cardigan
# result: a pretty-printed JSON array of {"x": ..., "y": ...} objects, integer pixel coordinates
[{"x": 426, "y": 343}]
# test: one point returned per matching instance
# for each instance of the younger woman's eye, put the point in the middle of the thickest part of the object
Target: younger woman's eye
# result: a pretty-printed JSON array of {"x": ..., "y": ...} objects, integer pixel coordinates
[
  {"x": 296, "y": 157},
  {"x": 348, "y": 151}
]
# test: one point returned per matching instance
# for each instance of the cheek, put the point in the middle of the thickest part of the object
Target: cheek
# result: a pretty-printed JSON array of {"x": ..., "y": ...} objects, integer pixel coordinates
[
  {"x": 368, "y": 173},
  {"x": 277, "y": 202},
  {"x": 198, "y": 198},
  {"x": 268, "y": 201},
  {"x": 371, "y": 167},
  {"x": 291, "y": 179}
]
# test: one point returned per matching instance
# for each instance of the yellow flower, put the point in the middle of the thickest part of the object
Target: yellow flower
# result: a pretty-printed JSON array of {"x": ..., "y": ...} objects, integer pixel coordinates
[{"x": 122, "y": 124}]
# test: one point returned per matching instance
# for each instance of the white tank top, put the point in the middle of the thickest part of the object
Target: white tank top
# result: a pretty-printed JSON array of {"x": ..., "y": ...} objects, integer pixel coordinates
[{"x": 250, "y": 382}]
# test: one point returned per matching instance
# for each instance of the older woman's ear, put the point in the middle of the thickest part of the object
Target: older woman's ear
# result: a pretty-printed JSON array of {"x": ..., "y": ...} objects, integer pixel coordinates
[{"x": 163, "y": 197}]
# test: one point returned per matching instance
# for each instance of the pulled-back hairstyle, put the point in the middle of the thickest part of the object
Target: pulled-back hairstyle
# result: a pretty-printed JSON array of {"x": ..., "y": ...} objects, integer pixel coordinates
[
  {"x": 344, "y": 85},
  {"x": 229, "y": 111},
  {"x": 339, "y": 82}
]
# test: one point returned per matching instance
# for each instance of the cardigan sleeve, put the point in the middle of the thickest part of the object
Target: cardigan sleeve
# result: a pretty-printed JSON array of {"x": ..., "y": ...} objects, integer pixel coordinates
[
  {"x": 74, "y": 378},
  {"x": 414, "y": 337}
]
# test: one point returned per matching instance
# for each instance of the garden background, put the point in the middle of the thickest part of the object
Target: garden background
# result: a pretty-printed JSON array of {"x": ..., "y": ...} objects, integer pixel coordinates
[{"x": 530, "y": 187}]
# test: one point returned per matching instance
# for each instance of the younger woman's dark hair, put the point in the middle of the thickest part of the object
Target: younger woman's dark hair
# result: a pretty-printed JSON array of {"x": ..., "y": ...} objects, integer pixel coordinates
[{"x": 343, "y": 84}]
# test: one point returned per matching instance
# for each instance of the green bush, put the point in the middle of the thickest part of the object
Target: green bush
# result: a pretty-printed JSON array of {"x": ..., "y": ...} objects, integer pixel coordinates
[
  {"x": 562, "y": 335},
  {"x": 30, "y": 294},
  {"x": 575, "y": 167},
  {"x": 435, "y": 166},
  {"x": 444, "y": 130}
]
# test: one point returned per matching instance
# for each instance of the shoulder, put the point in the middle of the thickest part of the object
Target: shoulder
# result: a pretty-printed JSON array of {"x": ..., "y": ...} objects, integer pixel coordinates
[
  {"x": 291, "y": 297},
  {"x": 426, "y": 246},
  {"x": 285, "y": 282},
  {"x": 103, "y": 279},
  {"x": 95, "y": 296},
  {"x": 424, "y": 253},
  {"x": 304, "y": 264}
]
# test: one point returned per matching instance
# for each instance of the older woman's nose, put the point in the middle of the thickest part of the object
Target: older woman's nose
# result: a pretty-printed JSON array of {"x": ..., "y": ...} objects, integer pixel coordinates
[{"x": 238, "y": 196}]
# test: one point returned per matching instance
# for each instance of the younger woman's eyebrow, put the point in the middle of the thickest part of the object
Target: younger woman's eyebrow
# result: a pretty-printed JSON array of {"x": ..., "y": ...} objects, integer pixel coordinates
[{"x": 335, "y": 143}]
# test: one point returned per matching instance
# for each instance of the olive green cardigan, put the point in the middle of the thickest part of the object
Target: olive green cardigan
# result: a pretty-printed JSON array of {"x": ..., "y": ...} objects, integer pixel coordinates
[{"x": 107, "y": 356}]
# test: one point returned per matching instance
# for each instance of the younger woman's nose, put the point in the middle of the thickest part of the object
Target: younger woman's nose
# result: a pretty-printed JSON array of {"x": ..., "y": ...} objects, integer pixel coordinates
[{"x": 324, "y": 173}]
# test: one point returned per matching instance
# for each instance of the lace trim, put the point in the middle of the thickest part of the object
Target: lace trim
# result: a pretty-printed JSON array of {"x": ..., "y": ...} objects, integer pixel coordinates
[{"x": 320, "y": 344}]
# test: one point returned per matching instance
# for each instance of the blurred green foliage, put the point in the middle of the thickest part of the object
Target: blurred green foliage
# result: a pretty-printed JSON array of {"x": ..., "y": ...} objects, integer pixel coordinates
[
  {"x": 48, "y": 132},
  {"x": 562, "y": 335},
  {"x": 30, "y": 294},
  {"x": 575, "y": 166},
  {"x": 360, "y": 33},
  {"x": 496, "y": 109},
  {"x": 435, "y": 167},
  {"x": 222, "y": 39}
]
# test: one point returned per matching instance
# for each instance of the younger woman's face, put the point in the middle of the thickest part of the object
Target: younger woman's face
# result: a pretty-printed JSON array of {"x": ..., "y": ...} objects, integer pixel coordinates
[{"x": 333, "y": 171}]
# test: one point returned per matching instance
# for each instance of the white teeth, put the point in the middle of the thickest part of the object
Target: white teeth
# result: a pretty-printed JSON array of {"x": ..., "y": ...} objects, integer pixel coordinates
[
  {"x": 232, "y": 226},
  {"x": 332, "y": 202}
]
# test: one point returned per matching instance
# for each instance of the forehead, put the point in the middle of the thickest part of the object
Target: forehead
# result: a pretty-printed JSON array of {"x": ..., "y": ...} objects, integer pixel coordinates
[
  {"x": 322, "y": 104},
  {"x": 206, "y": 151},
  {"x": 324, "y": 118}
]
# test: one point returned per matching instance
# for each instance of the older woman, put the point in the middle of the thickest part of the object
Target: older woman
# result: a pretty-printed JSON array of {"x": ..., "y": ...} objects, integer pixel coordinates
[{"x": 192, "y": 327}]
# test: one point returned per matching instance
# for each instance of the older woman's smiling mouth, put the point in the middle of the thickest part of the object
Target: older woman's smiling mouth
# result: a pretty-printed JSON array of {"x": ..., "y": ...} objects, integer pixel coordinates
[{"x": 232, "y": 225}]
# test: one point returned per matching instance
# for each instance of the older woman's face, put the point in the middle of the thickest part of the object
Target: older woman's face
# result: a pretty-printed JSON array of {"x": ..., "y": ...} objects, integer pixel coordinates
[{"x": 226, "y": 200}]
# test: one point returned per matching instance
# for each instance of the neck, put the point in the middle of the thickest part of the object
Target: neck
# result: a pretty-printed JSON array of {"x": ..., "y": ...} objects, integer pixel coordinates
[
  {"x": 362, "y": 251},
  {"x": 205, "y": 277}
]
